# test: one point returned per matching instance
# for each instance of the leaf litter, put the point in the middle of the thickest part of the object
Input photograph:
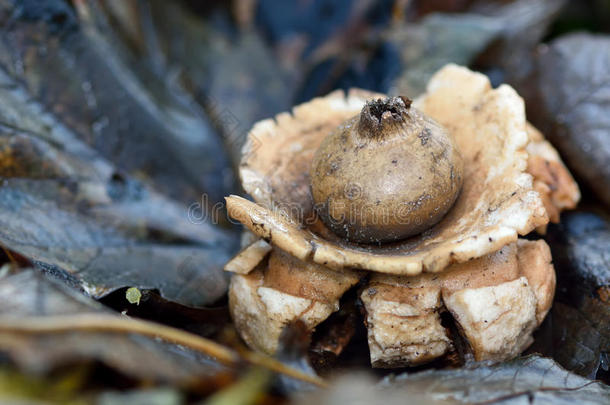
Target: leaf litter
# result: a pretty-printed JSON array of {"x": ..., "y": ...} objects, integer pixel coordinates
[{"x": 107, "y": 139}]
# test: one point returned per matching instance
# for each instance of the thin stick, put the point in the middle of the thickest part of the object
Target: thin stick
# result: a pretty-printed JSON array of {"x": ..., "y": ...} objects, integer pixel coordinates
[{"x": 111, "y": 323}]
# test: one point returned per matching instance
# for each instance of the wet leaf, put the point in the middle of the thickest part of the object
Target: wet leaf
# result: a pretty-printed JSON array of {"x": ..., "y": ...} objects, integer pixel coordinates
[
  {"x": 76, "y": 68},
  {"x": 294, "y": 343},
  {"x": 329, "y": 45},
  {"x": 577, "y": 333},
  {"x": 45, "y": 324},
  {"x": 490, "y": 33},
  {"x": 528, "y": 380},
  {"x": 573, "y": 95},
  {"x": 524, "y": 23},
  {"x": 579, "y": 338},
  {"x": 233, "y": 75},
  {"x": 317, "y": 21},
  {"x": 208, "y": 322},
  {"x": 29, "y": 294},
  {"x": 437, "y": 40},
  {"x": 72, "y": 212}
]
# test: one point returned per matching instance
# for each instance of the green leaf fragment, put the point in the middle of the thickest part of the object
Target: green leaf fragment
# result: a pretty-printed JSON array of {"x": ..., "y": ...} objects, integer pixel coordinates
[{"x": 133, "y": 295}]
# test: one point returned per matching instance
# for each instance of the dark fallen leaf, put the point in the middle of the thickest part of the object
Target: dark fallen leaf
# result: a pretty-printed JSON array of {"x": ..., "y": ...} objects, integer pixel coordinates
[
  {"x": 45, "y": 325},
  {"x": 233, "y": 75},
  {"x": 570, "y": 107},
  {"x": 580, "y": 252},
  {"x": 65, "y": 206},
  {"x": 330, "y": 45},
  {"x": 318, "y": 21},
  {"x": 74, "y": 66},
  {"x": 524, "y": 24},
  {"x": 528, "y": 380},
  {"x": 49, "y": 221},
  {"x": 591, "y": 16},
  {"x": 579, "y": 338},
  {"x": 201, "y": 321},
  {"x": 294, "y": 343},
  {"x": 437, "y": 40},
  {"x": 405, "y": 55},
  {"x": 490, "y": 33},
  {"x": 577, "y": 333},
  {"x": 29, "y": 294}
]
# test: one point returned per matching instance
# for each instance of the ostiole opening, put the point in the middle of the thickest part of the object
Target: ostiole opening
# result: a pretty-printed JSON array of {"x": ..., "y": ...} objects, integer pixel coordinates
[{"x": 379, "y": 115}]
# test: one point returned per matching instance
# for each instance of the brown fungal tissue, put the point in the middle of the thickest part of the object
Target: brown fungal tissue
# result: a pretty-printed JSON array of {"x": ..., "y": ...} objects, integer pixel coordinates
[
  {"x": 490, "y": 177},
  {"x": 385, "y": 174}
]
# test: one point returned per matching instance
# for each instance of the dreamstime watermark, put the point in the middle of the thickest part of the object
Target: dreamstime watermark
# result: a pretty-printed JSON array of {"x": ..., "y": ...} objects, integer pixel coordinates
[
  {"x": 348, "y": 209},
  {"x": 202, "y": 212}
]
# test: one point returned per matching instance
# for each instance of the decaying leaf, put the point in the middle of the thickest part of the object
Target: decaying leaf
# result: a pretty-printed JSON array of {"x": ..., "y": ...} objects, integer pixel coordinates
[
  {"x": 309, "y": 43},
  {"x": 72, "y": 65},
  {"x": 49, "y": 325},
  {"x": 234, "y": 76},
  {"x": 573, "y": 86},
  {"x": 208, "y": 322},
  {"x": 577, "y": 334},
  {"x": 527, "y": 380},
  {"x": 66, "y": 207},
  {"x": 438, "y": 39},
  {"x": 524, "y": 24},
  {"x": 29, "y": 294}
]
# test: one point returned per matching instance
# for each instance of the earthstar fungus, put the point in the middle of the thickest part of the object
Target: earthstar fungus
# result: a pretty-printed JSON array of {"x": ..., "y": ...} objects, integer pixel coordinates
[{"x": 468, "y": 261}]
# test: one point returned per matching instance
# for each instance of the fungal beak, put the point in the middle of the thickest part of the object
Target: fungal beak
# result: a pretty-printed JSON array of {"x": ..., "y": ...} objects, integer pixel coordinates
[{"x": 379, "y": 116}]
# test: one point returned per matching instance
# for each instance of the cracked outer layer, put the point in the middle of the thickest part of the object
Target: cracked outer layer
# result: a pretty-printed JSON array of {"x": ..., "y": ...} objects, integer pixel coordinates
[
  {"x": 282, "y": 291},
  {"x": 496, "y": 301}
]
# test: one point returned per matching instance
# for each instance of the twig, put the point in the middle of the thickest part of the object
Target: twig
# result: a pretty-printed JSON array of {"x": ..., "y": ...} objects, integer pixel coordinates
[{"x": 111, "y": 323}]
